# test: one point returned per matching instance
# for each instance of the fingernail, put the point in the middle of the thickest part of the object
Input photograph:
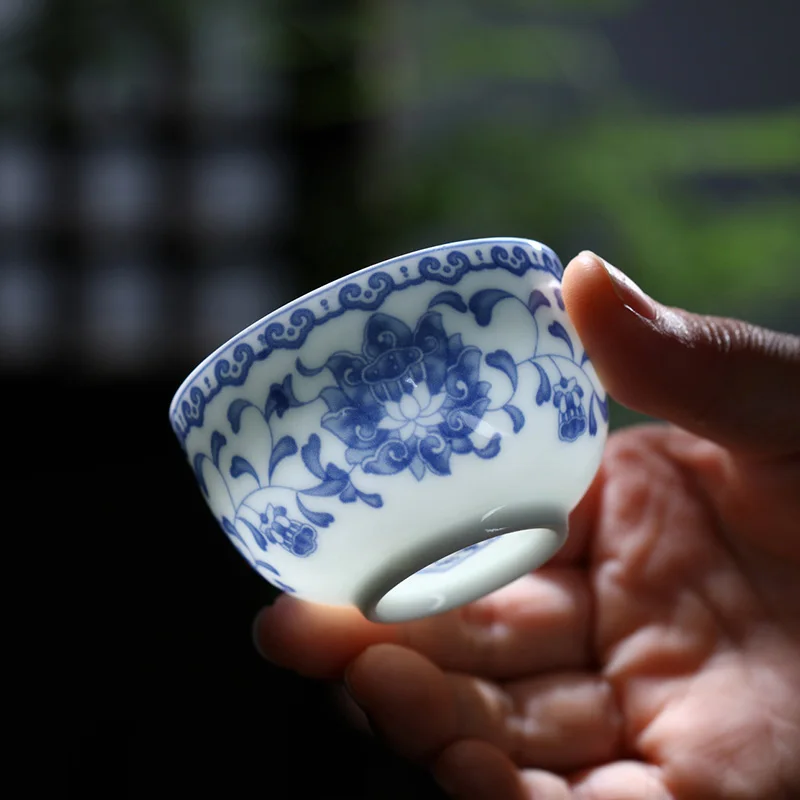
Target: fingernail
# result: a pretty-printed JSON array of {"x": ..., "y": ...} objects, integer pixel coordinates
[
  {"x": 368, "y": 718},
  {"x": 628, "y": 292}
]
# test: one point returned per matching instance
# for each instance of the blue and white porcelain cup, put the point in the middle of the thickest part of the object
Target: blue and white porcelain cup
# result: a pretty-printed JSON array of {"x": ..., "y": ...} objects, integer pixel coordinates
[{"x": 405, "y": 439}]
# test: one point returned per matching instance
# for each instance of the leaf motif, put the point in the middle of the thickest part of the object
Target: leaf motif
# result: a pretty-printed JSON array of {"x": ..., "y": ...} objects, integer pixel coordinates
[
  {"x": 536, "y": 301},
  {"x": 559, "y": 298},
  {"x": 241, "y": 466},
  {"x": 307, "y": 372},
  {"x": 230, "y": 529},
  {"x": 310, "y": 455},
  {"x": 592, "y": 420},
  {"x": 374, "y": 500},
  {"x": 285, "y": 447},
  {"x": 235, "y": 410},
  {"x": 334, "y": 398},
  {"x": 282, "y": 586},
  {"x": 355, "y": 456},
  {"x": 417, "y": 467},
  {"x": 334, "y": 473},
  {"x": 584, "y": 358},
  {"x": 603, "y": 406},
  {"x": 349, "y": 494},
  {"x": 517, "y": 417},
  {"x": 326, "y": 489},
  {"x": 544, "y": 392},
  {"x": 502, "y": 360},
  {"x": 462, "y": 445},
  {"x": 270, "y": 568},
  {"x": 197, "y": 466},
  {"x": 391, "y": 457},
  {"x": 256, "y": 533},
  {"x": 454, "y": 346},
  {"x": 281, "y": 397},
  {"x": 482, "y": 304},
  {"x": 319, "y": 518},
  {"x": 491, "y": 449},
  {"x": 217, "y": 442},
  {"x": 435, "y": 452},
  {"x": 452, "y": 299},
  {"x": 557, "y": 329}
]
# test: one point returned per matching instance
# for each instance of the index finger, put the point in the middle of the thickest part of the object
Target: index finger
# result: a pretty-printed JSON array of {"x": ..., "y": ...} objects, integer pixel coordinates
[{"x": 540, "y": 622}]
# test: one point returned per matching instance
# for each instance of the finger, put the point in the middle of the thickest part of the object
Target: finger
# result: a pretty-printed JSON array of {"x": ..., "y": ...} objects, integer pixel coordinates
[
  {"x": 475, "y": 770},
  {"x": 530, "y": 625},
  {"x": 556, "y": 722},
  {"x": 315, "y": 640},
  {"x": 562, "y": 721},
  {"x": 714, "y": 377},
  {"x": 623, "y": 780},
  {"x": 406, "y": 698},
  {"x": 582, "y": 521},
  {"x": 542, "y": 785},
  {"x": 540, "y": 622}
]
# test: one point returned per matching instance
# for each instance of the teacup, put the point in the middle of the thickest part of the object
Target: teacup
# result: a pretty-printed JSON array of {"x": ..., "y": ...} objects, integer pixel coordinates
[{"x": 405, "y": 439}]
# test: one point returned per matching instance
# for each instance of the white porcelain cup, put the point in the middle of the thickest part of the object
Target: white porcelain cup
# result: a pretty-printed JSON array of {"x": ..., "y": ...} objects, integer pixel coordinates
[{"x": 405, "y": 439}]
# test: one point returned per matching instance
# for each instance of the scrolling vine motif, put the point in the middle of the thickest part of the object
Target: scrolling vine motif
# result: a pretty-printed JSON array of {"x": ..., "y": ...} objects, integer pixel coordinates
[{"x": 413, "y": 398}]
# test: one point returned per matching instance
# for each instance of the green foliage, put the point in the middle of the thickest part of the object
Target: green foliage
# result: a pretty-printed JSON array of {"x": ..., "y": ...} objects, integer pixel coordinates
[
  {"x": 496, "y": 117},
  {"x": 526, "y": 128}
]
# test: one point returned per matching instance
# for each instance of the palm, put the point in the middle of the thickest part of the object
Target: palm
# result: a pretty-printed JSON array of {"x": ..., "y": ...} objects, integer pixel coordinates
[
  {"x": 658, "y": 653},
  {"x": 656, "y": 656},
  {"x": 693, "y": 628}
]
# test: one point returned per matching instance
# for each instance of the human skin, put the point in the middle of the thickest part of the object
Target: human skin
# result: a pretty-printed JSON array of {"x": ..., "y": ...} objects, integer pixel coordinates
[{"x": 658, "y": 654}]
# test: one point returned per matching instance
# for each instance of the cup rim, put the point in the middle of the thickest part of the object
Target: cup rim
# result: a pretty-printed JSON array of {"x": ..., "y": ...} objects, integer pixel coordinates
[{"x": 189, "y": 380}]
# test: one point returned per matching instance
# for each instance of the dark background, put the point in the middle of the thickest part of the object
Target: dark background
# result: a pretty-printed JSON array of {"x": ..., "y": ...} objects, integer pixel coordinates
[{"x": 171, "y": 171}]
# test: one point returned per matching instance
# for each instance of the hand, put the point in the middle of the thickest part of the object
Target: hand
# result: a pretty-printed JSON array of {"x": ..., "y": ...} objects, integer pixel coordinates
[{"x": 658, "y": 655}]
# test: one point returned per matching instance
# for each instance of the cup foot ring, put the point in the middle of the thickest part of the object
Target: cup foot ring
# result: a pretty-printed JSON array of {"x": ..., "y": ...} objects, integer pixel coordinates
[{"x": 442, "y": 577}]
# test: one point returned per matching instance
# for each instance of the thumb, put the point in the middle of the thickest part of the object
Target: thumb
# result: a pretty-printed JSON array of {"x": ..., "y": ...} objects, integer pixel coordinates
[{"x": 723, "y": 379}]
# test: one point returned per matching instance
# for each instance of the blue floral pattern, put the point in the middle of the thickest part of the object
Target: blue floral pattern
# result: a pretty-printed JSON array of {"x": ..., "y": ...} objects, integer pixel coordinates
[
  {"x": 411, "y": 398},
  {"x": 296, "y": 536},
  {"x": 567, "y": 397},
  {"x": 256, "y": 344}
]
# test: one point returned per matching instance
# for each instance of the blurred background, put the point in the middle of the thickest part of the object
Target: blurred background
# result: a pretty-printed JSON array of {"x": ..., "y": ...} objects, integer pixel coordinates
[{"x": 172, "y": 170}]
